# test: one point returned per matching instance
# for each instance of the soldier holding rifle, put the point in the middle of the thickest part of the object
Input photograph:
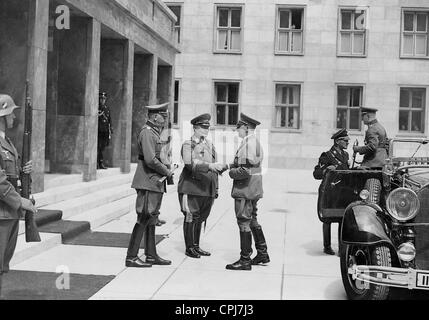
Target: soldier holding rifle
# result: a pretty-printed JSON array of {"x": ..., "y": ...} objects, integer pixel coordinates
[
  {"x": 12, "y": 205},
  {"x": 150, "y": 185}
]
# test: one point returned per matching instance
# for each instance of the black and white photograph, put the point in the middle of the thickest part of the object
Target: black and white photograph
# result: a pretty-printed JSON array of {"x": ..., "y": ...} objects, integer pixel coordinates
[{"x": 212, "y": 155}]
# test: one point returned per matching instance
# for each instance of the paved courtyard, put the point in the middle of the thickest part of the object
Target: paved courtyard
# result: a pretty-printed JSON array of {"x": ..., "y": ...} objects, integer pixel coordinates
[{"x": 299, "y": 269}]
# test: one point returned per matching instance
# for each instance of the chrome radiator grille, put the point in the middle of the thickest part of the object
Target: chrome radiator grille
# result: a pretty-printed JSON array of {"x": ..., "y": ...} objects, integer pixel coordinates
[{"x": 422, "y": 232}]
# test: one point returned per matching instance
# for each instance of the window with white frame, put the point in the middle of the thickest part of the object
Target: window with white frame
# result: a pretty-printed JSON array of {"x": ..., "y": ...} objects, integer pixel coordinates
[
  {"x": 352, "y": 32},
  {"x": 288, "y": 106},
  {"x": 228, "y": 29},
  {"x": 227, "y": 103},
  {"x": 177, "y": 10},
  {"x": 290, "y": 26},
  {"x": 176, "y": 102},
  {"x": 415, "y": 33},
  {"x": 412, "y": 110},
  {"x": 349, "y": 103}
]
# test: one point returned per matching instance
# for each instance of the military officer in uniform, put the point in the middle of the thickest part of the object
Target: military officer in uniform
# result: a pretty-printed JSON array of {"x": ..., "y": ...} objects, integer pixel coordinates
[
  {"x": 336, "y": 158},
  {"x": 198, "y": 184},
  {"x": 376, "y": 141},
  {"x": 246, "y": 171},
  {"x": 104, "y": 129},
  {"x": 150, "y": 184},
  {"x": 12, "y": 205}
]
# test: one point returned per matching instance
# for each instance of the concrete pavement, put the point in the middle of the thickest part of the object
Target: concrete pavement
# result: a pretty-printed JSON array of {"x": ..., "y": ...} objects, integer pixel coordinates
[{"x": 298, "y": 268}]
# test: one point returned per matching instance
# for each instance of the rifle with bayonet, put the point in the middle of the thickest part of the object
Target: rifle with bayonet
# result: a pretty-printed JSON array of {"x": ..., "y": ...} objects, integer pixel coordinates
[{"x": 31, "y": 231}]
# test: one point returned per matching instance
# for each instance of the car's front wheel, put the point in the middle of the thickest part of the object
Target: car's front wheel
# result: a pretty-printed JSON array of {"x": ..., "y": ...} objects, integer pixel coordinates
[{"x": 352, "y": 255}]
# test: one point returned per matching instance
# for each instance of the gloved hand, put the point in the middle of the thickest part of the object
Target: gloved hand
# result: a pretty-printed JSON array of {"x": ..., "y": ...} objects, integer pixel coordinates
[
  {"x": 170, "y": 175},
  {"x": 215, "y": 167},
  {"x": 331, "y": 167}
]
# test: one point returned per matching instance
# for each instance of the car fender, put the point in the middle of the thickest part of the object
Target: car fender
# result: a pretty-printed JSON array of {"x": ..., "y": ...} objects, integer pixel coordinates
[{"x": 361, "y": 225}]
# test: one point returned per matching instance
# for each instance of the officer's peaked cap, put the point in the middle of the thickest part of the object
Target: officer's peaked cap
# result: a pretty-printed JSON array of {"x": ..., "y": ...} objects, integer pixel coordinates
[
  {"x": 159, "y": 108},
  {"x": 365, "y": 110},
  {"x": 340, "y": 134},
  {"x": 202, "y": 120},
  {"x": 247, "y": 121},
  {"x": 7, "y": 105}
]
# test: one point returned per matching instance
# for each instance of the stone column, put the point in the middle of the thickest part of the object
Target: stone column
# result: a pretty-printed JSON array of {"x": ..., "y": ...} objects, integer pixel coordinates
[
  {"x": 38, "y": 27},
  {"x": 125, "y": 123},
  {"x": 92, "y": 78},
  {"x": 153, "y": 80}
]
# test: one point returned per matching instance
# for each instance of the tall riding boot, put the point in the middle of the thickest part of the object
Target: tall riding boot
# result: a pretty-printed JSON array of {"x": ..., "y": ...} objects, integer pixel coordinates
[
  {"x": 150, "y": 248},
  {"x": 245, "y": 262},
  {"x": 132, "y": 260},
  {"x": 197, "y": 235},
  {"x": 1, "y": 285},
  {"x": 261, "y": 246},
  {"x": 188, "y": 232},
  {"x": 327, "y": 239}
]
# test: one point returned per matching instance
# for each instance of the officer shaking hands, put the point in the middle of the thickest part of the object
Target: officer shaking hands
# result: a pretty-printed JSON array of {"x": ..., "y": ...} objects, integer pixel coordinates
[
  {"x": 12, "y": 205},
  {"x": 247, "y": 190},
  {"x": 198, "y": 184}
]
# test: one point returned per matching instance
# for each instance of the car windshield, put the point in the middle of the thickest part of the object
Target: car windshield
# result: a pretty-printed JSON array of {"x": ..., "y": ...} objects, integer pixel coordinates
[
  {"x": 411, "y": 149},
  {"x": 413, "y": 153}
]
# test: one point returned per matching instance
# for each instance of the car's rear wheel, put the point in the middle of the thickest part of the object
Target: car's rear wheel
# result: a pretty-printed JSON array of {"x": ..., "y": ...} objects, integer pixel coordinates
[{"x": 352, "y": 255}]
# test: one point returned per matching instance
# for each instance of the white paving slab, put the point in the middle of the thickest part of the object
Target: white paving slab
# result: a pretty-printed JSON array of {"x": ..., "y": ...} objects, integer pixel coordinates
[{"x": 313, "y": 288}]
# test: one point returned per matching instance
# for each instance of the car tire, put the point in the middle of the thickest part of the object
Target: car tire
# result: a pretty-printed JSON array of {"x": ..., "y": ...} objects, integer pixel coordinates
[{"x": 360, "y": 255}]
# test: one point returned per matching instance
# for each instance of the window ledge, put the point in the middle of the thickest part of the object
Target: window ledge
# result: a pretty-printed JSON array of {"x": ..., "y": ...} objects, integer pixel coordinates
[
  {"x": 221, "y": 127},
  {"x": 279, "y": 53},
  {"x": 227, "y": 52},
  {"x": 410, "y": 135},
  {"x": 355, "y": 133},
  {"x": 413, "y": 57},
  {"x": 339, "y": 55},
  {"x": 280, "y": 130}
]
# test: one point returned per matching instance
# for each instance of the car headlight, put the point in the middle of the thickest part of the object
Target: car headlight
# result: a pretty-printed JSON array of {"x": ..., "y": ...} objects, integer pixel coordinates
[
  {"x": 403, "y": 204},
  {"x": 407, "y": 252}
]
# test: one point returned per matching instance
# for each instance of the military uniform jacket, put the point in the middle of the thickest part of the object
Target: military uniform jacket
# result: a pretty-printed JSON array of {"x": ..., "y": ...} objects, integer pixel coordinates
[
  {"x": 246, "y": 170},
  {"x": 196, "y": 178},
  {"x": 334, "y": 157},
  {"x": 150, "y": 168},
  {"x": 10, "y": 199},
  {"x": 104, "y": 120},
  {"x": 376, "y": 144}
]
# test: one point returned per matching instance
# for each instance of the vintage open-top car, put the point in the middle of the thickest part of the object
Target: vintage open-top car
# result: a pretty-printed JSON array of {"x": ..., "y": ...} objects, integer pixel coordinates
[{"x": 384, "y": 216}]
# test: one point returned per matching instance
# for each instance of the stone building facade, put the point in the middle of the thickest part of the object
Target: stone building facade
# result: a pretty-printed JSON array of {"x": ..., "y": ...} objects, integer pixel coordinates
[
  {"x": 303, "y": 68},
  {"x": 70, "y": 50}
]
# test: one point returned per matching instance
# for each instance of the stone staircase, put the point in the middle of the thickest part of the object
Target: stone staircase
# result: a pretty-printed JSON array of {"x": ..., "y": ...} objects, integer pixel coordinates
[{"x": 70, "y": 207}]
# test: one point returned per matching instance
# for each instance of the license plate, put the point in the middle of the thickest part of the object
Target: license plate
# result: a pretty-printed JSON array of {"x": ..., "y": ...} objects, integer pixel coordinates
[{"x": 423, "y": 279}]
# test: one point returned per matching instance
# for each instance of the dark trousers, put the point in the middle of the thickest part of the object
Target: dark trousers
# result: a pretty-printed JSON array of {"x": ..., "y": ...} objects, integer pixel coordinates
[
  {"x": 196, "y": 209},
  {"x": 327, "y": 234},
  {"x": 246, "y": 212},
  {"x": 8, "y": 238},
  {"x": 102, "y": 143},
  {"x": 148, "y": 204}
]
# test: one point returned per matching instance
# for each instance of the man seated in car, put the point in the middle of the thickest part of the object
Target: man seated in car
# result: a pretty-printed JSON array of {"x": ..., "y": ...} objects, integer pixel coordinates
[{"x": 336, "y": 158}]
